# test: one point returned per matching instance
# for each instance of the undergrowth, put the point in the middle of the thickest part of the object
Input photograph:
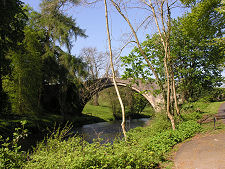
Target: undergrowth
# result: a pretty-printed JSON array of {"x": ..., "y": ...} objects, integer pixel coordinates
[
  {"x": 10, "y": 154},
  {"x": 145, "y": 148}
]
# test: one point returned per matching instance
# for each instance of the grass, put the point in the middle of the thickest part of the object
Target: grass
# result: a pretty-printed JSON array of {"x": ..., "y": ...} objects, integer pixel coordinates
[
  {"x": 103, "y": 112},
  {"x": 148, "y": 111},
  {"x": 212, "y": 108},
  {"x": 146, "y": 147},
  {"x": 206, "y": 107}
]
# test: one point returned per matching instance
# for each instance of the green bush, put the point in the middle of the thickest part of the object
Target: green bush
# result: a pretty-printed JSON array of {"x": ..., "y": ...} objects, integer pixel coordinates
[
  {"x": 191, "y": 116},
  {"x": 134, "y": 102},
  {"x": 214, "y": 95},
  {"x": 145, "y": 148},
  {"x": 10, "y": 154}
]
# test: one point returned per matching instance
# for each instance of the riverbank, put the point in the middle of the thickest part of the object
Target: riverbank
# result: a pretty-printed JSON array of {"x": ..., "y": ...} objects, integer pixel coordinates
[
  {"x": 91, "y": 114},
  {"x": 145, "y": 147},
  {"x": 41, "y": 126}
]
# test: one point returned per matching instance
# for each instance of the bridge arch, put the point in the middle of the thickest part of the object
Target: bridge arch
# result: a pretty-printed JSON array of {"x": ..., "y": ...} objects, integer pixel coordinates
[{"x": 146, "y": 89}]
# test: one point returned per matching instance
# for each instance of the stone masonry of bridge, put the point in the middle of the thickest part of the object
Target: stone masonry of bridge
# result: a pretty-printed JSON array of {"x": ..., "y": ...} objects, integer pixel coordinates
[{"x": 146, "y": 89}]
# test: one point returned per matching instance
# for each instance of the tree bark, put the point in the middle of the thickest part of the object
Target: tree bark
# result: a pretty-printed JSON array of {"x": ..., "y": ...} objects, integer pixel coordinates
[
  {"x": 175, "y": 96},
  {"x": 95, "y": 100},
  {"x": 113, "y": 72},
  {"x": 168, "y": 92},
  {"x": 1, "y": 92},
  {"x": 165, "y": 42}
]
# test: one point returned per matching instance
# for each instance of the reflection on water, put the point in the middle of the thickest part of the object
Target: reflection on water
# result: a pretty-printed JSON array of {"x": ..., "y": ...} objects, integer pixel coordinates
[{"x": 108, "y": 131}]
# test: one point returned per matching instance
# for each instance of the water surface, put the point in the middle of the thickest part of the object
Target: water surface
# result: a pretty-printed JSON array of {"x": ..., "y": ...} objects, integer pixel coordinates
[{"x": 108, "y": 131}]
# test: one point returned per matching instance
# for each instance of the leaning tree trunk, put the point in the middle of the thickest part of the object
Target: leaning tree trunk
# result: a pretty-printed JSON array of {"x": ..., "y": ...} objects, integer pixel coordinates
[{"x": 113, "y": 72}]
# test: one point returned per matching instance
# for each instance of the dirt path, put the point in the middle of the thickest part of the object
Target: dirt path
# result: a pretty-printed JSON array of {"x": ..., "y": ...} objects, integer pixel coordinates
[
  {"x": 221, "y": 110},
  {"x": 206, "y": 152}
]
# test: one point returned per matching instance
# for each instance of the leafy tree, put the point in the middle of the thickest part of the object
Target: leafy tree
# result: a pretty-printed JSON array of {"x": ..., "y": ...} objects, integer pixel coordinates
[
  {"x": 222, "y": 7},
  {"x": 134, "y": 102},
  {"x": 197, "y": 51},
  {"x": 39, "y": 61},
  {"x": 12, "y": 23},
  {"x": 24, "y": 82},
  {"x": 65, "y": 70},
  {"x": 59, "y": 27}
]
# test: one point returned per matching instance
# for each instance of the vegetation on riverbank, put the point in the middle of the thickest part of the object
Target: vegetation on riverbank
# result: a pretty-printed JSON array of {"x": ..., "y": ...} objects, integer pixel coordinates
[
  {"x": 146, "y": 147},
  {"x": 91, "y": 114},
  {"x": 45, "y": 85},
  {"x": 109, "y": 110}
]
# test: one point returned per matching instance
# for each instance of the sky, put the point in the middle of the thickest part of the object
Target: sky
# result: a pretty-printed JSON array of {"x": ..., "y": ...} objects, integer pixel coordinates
[{"x": 92, "y": 19}]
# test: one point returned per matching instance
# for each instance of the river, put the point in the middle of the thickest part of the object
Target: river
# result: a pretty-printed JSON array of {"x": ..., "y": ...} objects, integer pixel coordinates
[{"x": 108, "y": 131}]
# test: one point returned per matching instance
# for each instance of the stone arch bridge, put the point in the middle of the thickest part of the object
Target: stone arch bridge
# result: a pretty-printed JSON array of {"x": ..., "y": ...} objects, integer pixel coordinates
[{"x": 92, "y": 87}]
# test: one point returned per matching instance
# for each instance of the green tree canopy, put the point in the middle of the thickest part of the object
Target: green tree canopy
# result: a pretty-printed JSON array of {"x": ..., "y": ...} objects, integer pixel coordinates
[
  {"x": 59, "y": 27},
  {"x": 12, "y": 22},
  {"x": 197, "y": 50}
]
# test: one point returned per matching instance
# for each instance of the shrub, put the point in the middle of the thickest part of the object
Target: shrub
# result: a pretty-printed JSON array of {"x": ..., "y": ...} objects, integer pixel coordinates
[
  {"x": 145, "y": 148},
  {"x": 191, "y": 116},
  {"x": 214, "y": 95},
  {"x": 10, "y": 154}
]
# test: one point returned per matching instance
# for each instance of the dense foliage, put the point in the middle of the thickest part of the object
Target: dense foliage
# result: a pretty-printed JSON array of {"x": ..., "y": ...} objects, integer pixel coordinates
[
  {"x": 134, "y": 102},
  {"x": 32, "y": 63},
  {"x": 145, "y": 148},
  {"x": 10, "y": 154},
  {"x": 197, "y": 51},
  {"x": 12, "y": 24}
]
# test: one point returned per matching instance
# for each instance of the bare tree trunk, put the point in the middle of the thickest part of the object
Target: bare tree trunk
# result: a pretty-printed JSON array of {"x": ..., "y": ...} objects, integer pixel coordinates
[
  {"x": 168, "y": 92},
  {"x": 175, "y": 96},
  {"x": 164, "y": 35},
  {"x": 95, "y": 100},
  {"x": 113, "y": 72},
  {"x": 138, "y": 43}
]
